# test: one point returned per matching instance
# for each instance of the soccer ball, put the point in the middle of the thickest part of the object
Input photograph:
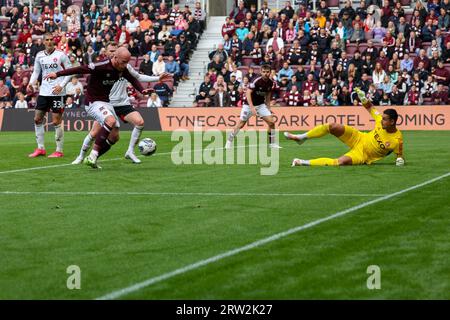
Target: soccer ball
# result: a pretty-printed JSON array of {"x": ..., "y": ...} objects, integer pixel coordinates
[{"x": 147, "y": 147}]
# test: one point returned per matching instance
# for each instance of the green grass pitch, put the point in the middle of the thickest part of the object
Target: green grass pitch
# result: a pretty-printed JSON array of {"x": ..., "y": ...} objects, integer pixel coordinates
[{"x": 120, "y": 240}]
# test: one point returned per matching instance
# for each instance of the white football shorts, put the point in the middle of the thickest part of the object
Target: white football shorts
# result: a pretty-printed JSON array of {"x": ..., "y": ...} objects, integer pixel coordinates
[
  {"x": 261, "y": 111},
  {"x": 99, "y": 110}
]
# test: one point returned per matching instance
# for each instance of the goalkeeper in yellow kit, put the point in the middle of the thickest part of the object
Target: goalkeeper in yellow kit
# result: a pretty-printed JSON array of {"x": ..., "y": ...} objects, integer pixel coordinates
[{"x": 365, "y": 148}]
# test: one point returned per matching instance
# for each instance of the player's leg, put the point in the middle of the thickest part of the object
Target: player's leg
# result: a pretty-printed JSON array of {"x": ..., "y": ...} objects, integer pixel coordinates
[
  {"x": 272, "y": 134},
  {"x": 87, "y": 142},
  {"x": 136, "y": 119},
  {"x": 234, "y": 133},
  {"x": 104, "y": 113},
  {"x": 335, "y": 129},
  {"x": 246, "y": 113},
  {"x": 39, "y": 129},
  {"x": 341, "y": 161},
  {"x": 59, "y": 134}
]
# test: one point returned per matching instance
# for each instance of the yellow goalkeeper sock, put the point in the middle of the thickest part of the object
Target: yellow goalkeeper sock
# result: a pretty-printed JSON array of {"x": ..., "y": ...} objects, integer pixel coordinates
[
  {"x": 323, "y": 162},
  {"x": 318, "y": 131}
]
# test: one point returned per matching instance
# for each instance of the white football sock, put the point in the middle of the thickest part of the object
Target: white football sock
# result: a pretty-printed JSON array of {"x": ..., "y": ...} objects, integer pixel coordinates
[
  {"x": 135, "y": 135},
  {"x": 232, "y": 135},
  {"x": 302, "y": 136},
  {"x": 93, "y": 155},
  {"x": 59, "y": 138},
  {"x": 304, "y": 162},
  {"x": 87, "y": 142},
  {"x": 39, "y": 129}
]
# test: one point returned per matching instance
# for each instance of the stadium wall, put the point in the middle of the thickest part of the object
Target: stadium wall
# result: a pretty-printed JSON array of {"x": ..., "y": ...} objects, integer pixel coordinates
[{"x": 287, "y": 118}]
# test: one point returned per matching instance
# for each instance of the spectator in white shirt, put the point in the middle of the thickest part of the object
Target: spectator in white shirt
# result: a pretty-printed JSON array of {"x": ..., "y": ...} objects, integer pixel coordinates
[
  {"x": 159, "y": 66},
  {"x": 132, "y": 24},
  {"x": 21, "y": 103}
]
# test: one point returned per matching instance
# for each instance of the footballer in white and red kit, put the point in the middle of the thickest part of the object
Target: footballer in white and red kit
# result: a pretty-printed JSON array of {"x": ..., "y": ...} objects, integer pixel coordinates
[{"x": 51, "y": 95}]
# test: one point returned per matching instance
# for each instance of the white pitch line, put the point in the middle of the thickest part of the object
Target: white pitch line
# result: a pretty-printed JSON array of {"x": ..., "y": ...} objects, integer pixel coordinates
[
  {"x": 213, "y": 194},
  {"x": 114, "y": 159},
  {"x": 140, "y": 285}
]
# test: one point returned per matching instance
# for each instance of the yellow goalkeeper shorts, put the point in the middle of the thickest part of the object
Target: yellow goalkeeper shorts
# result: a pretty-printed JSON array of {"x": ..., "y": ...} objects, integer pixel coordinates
[{"x": 355, "y": 140}]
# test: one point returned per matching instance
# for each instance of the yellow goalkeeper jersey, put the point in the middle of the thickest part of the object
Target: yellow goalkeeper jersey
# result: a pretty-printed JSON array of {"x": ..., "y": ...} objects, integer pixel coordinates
[{"x": 379, "y": 143}]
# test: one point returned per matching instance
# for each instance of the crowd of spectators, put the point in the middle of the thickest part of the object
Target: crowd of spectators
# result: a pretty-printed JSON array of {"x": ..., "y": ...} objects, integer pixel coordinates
[
  {"x": 319, "y": 57},
  {"x": 160, "y": 39}
]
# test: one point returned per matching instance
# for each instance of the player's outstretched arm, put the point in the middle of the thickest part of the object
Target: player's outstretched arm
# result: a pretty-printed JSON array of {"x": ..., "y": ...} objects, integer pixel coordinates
[
  {"x": 141, "y": 77},
  {"x": 134, "y": 82},
  {"x": 362, "y": 97},
  {"x": 70, "y": 71}
]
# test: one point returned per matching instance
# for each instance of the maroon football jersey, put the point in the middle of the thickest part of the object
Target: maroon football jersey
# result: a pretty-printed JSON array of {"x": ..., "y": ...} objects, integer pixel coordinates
[
  {"x": 260, "y": 88},
  {"x": 103, "y": 76}
]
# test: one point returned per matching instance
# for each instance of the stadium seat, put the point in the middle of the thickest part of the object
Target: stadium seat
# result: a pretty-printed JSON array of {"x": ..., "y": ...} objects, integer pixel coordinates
[
  {"x": 405, "y": 2},
  {"x": 247, "y": 61},
  {"x": 257, "y": 69},
  {"x": 362, "y": 47},
  {"x": 244, "y": 69},
  {"x": 351, "y": 48},
  {"x": 142, "y": 103},
  {"x": 333, "y": 3}
]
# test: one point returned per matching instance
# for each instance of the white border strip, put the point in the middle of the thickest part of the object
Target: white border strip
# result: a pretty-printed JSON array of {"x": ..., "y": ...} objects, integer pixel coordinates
[{"x": 140, "y": 285}]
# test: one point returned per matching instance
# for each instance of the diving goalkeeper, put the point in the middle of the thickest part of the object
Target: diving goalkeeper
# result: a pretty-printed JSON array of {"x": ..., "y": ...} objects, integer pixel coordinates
[{"x": 365, "y": 148}]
